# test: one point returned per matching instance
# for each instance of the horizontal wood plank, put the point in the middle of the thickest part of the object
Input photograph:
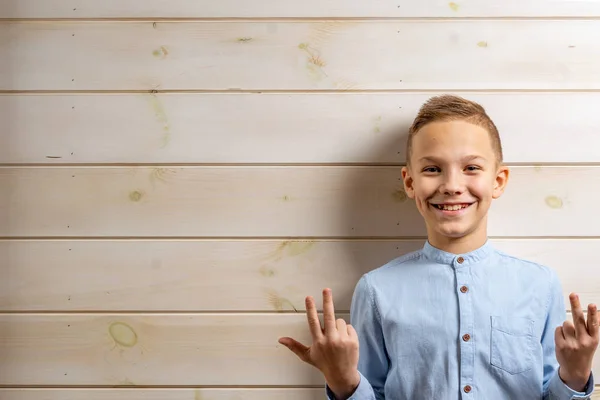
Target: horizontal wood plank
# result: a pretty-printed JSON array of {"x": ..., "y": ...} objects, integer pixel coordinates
[
  {"x": 334, "y": 55},
  {"x": 174, "y": 350},
  {"x": 289, "y": 8},
  {"x": 266, "y": 275},
  {"x": 163, "y": 394},
  {"x": 152, "y": 350},
  {"x": 171, "y": 394},
  {"x": 300, "y": 128},
  {"x": 270, "y": 201}
]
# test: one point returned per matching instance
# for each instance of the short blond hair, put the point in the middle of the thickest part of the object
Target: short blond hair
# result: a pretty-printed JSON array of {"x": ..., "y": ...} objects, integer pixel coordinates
[{"x": 450, "y": 108}]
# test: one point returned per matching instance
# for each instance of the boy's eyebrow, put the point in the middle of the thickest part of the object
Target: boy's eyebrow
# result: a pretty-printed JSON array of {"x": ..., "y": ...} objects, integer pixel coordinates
[{"x": 464, "y": 159}]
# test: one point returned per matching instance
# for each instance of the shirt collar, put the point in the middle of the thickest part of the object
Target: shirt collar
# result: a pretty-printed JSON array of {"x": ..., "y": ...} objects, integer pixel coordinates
[{"x": 457, "y": 260}]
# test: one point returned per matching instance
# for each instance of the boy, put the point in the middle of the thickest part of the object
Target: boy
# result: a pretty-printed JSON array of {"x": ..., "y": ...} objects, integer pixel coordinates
[{"x": 458, "y": 318}]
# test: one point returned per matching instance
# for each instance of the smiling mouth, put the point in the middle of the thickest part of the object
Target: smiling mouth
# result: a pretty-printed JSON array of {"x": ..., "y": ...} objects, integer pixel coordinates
[{"x": 452, "y": 207}]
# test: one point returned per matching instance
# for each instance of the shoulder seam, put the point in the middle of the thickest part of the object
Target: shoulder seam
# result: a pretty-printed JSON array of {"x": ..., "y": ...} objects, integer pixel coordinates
[
  {"x": 402, "y": 259},
  {"x": 522, "y": 260}
]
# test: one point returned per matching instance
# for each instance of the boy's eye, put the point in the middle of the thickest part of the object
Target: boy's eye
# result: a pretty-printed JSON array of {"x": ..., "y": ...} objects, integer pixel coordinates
[
  {"x": 473, "y": 168},
  {"x": 431, "y": 169}
]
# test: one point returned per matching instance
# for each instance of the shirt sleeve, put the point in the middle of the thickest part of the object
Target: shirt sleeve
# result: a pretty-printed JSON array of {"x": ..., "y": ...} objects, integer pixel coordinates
[
  {"x": 554, "y": 387},
  {"x": 373, "y": 361}
]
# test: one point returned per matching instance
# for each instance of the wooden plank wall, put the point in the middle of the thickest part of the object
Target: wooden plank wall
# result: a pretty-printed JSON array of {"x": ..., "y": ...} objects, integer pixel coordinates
[{"x": 176, "y": 176}]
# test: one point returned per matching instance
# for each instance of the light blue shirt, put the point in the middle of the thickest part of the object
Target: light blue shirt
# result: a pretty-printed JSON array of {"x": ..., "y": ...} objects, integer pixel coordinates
[{"x": 413, "y": 316}]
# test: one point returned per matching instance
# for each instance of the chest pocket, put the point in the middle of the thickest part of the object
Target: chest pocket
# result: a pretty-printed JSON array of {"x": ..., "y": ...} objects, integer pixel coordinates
[{"x": 512, "y": 344}]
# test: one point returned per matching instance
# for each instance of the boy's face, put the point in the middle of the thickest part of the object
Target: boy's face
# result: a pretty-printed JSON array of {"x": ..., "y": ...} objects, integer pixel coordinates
[{"x": 453, "y": 177}]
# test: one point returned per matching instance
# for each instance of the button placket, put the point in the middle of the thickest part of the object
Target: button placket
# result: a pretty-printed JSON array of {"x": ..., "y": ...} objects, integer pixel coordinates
[{"x": 466, "y": 347}]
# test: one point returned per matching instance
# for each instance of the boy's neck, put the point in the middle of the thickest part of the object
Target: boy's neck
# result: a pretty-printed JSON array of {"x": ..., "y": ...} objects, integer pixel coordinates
[{"x": 461, "y": 245}]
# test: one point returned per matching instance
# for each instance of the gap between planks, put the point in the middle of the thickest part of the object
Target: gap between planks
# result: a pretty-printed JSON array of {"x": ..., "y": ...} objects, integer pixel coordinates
[
  {"x": 107, "y": 387},
  {"x": 521, "y": 164},
  {"x": 166, "y": 313},
  {"x": 271, "y": 238},
  {"x": 289, "y": 91},
  {"x": 302, "y": 19}
]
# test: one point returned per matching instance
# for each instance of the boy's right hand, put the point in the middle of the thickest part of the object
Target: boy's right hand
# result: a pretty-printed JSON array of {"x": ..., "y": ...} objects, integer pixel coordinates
[{"x": 334, "y": 350}]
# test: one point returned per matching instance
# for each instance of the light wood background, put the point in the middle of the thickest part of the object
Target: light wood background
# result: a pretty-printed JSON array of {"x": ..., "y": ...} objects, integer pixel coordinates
[{"x": 176, "y": 176}]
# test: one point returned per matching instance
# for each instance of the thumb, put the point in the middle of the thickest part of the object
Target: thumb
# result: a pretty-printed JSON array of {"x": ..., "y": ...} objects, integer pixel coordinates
[{"x": 297, "y": 348}]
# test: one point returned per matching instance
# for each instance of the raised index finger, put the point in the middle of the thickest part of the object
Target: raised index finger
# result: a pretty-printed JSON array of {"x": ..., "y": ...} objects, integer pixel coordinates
[
  {"x": 328, "y": 312},
  {"x": 578, "y": 317}
]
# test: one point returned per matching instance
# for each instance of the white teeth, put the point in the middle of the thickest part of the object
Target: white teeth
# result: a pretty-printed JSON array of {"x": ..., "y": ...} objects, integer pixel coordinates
[{"x": 455, "y": 207}]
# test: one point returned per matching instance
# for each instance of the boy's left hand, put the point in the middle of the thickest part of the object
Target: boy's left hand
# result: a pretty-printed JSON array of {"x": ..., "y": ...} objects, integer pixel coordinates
[{"x": 576, "y": 343}]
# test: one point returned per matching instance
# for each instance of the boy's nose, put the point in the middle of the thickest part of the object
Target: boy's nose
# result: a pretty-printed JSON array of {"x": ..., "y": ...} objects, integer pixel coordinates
[{"x": 452, "y": 185}]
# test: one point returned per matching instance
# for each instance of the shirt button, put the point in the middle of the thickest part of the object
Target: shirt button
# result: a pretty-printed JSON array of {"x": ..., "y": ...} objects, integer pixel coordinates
[
  {"x": 464, "y": 289},
  {"x": 467, "y": 389},
  {"x": 466, "y": 337},
  {"x": 460, "y": 260}
]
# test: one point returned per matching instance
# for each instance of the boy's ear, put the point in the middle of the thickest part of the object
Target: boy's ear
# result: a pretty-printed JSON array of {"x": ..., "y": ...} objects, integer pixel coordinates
[
  {"x": 500, "y": 181},
  {"x": 408, "y": 182}
]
